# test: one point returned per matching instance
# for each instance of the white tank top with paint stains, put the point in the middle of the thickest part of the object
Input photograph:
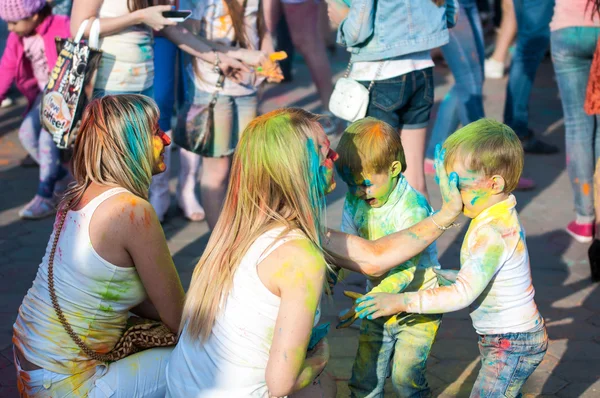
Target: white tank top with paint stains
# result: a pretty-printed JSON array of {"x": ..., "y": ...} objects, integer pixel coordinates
[
  {"x": 94, "y": 295},
  {"x": 233, "y": 361}
]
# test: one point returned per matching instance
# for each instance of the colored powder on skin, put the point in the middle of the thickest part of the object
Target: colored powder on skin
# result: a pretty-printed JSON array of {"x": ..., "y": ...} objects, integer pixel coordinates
[{"x": 146, "y": 218}]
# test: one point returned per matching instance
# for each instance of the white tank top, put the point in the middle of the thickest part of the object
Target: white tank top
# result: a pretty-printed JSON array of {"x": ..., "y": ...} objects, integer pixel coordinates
[
  {"x": 94, "y": 295},
  {"x": 233, "y": 361},
  {"x": 127, "y": 62}
]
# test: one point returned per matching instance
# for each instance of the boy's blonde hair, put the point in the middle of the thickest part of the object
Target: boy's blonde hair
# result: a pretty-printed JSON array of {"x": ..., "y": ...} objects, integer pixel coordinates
[
  {"x": 490, "y": 147},
  {"x": 369, "y": 145}
]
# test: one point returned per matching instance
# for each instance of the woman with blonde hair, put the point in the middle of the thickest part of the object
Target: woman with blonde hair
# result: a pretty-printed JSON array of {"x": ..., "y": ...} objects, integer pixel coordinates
[
  {"x": 255, "y": 293},
  {"x": 111, "y": 257}
]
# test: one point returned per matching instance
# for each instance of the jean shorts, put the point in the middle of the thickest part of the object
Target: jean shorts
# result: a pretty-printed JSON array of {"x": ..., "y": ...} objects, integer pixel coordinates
[{"x": 403, "y": 101}]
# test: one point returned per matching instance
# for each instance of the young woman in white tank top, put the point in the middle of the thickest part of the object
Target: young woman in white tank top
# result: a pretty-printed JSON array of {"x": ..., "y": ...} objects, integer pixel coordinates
[
  {"x": 127, "y": 63},
  {"x": 255, "y": 293},
  {"x": 111, "y": 258}
]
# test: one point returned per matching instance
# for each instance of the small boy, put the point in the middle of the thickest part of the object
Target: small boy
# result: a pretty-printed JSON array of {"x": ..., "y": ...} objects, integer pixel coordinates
[
  {"x": 495, "y": 277},
  {"x": 381, "y": 202}
]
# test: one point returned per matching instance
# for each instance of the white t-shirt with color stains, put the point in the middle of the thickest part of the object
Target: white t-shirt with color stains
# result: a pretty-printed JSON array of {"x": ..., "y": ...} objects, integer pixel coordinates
[
  {"x": 494, "y": 277},
  {"x": 404, "y": 208}
]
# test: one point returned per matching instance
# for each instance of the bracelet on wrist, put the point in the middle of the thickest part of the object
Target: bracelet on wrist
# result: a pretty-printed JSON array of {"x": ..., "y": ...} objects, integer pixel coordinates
[{"x": 440, "y": 227}]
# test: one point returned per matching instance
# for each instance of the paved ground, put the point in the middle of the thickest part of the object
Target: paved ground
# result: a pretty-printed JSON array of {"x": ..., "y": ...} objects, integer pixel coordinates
[{"x": 568, "y": 301}]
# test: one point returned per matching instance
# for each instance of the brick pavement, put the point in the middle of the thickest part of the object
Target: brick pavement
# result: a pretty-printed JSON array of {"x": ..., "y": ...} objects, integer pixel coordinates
[{"x": 568, "y": 301}]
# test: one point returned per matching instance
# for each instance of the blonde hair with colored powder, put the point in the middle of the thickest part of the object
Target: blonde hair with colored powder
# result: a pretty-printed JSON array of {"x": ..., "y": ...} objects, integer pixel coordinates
[
  {"x": 487, "y": 146},
  {"x": 114, "y": 146},
  {"x": 275, "y": 181},
  {"x": 368, "y": 145}
]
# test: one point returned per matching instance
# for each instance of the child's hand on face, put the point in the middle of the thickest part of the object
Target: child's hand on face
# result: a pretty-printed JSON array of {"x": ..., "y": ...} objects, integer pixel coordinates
[
  {"x": 350, "y": 315},
  {"x": 452, "y": 201},
  {"x": 376, "y": 305}
]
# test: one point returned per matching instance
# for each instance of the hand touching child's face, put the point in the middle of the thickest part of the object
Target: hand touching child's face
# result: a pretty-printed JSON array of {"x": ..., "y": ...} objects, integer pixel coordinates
[{"x": 477, "y": 191}]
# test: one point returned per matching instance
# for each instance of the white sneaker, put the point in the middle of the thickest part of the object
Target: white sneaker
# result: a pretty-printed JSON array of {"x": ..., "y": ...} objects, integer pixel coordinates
[
  {"x": 37, "y": 208},
  {"x": 6, "y": 102},
  {"x": 493, "y": 69}
]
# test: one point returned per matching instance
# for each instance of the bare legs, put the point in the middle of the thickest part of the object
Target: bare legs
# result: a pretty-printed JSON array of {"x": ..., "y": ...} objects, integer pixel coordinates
[
  {"x": 413, "y": 141},
  {"x": 213, "y": 186},
  {"x": 302, "y": 19},
  {"x": 506, "y": 32}
]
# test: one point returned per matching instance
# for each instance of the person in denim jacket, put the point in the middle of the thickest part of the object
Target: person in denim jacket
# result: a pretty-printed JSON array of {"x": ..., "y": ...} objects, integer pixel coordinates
[{"x": 390, "y": 42}]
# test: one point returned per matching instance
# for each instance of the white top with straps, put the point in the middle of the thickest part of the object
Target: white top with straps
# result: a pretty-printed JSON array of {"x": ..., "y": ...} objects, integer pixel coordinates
[
  {"x": 233, "y": 360},
  {"x": 94, "y": 295},
  {"x": 127, "y": 62}
]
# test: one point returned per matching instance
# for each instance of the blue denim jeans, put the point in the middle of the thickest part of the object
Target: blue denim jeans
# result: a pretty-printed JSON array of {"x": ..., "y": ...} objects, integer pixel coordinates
[
  {"x": 533, "y": 37},
  {"x": 40, "y": 146},
  {"x": 572, "y": 53},
  {"x": 464, "y": 54},
  {"x": 167, "y": 58},
  {"x": 406, "y": 340},
  {"x": 404, "y": 101},
  {"x": 507, "y": 361}
]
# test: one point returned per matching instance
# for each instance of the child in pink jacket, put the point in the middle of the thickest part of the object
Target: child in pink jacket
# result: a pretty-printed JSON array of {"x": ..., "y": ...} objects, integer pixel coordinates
[{"x": 29, "y": 57}]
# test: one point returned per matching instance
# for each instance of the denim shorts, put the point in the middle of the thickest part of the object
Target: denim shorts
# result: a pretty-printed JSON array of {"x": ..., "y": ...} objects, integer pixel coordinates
[
  {"x": 507, "y": 362},
  {"x": 403, "y": 101}
]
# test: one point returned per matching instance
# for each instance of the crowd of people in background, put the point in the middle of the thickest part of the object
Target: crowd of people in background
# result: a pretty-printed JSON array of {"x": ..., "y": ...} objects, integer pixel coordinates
[{"x": 245, "y": 325}]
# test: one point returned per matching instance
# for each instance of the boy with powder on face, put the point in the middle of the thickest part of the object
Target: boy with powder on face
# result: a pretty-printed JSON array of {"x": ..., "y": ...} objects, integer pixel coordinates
[
  {"x": 495, "y": 277},
  {"x": 380, "y": 202}
]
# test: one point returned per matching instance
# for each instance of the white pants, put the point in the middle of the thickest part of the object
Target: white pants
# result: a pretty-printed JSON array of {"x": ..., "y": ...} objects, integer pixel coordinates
[{"x": 140, "y": 375}]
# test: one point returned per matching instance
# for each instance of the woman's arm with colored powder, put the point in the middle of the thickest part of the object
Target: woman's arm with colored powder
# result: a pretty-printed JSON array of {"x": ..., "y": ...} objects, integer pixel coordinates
[
  {"x": 376, "y": 257},
  {"x": 297, "y": 271},
  {"x": 145, "y": 243},
  {"x": 487, "y": 253}
]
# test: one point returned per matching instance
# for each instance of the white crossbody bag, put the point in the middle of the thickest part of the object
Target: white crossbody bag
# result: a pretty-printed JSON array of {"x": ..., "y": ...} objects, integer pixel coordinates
[{"x": 350, "y": 99}]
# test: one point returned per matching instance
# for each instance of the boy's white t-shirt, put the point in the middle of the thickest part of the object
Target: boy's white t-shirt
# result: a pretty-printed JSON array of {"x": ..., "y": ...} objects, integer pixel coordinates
[
  {"x": 494, "y": 278},
  {"x": 367, "y": 70},
  {"x": 404, "y": 208}
]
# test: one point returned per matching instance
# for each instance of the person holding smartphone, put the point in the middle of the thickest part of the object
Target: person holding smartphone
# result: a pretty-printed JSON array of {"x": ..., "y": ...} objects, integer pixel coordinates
[
  {"x": 167, "y": 59},
  {"x": 237, "y": 29},
  {"x": 127, "y": 64}
]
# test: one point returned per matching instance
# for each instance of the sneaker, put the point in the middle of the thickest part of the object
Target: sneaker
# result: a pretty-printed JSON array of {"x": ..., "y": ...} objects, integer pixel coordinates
[
  {"x": 428, "y": 167},
  {"x": 38, "y": 208},
  {"x": 525, "y": 184},
  {"x": 6, "y": 102},
  {"x": 493, "y": 69},
  {"x": 582, "y": 233}
]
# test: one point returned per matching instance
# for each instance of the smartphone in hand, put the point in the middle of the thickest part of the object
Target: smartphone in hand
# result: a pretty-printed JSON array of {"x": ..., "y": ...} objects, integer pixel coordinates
[{"x": 177, "y": 15}]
